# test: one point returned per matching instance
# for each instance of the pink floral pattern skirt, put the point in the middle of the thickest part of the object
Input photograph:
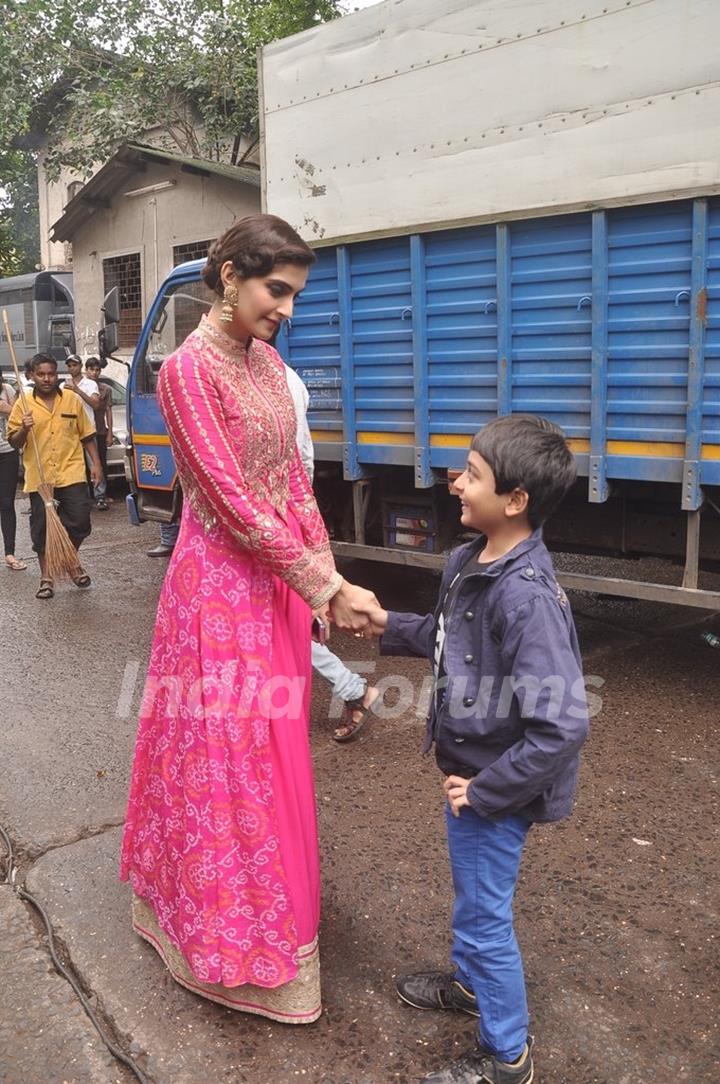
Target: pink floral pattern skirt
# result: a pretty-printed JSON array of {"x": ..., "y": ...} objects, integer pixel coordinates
[{"x": 220, "y": 842}]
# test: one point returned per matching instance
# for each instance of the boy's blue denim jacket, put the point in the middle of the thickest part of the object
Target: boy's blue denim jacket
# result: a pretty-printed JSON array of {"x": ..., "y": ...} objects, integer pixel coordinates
[{"x": 514, "y": 714}]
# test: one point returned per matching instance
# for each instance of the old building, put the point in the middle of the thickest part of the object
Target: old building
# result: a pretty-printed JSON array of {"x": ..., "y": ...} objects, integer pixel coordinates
[{"x": 144, "y": 211}]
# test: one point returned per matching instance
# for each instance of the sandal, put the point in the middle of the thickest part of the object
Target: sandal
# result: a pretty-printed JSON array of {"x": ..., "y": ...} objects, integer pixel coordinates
[
  {"x": 350, "y": 729},
  {"x": 14, "y": 564},
  {"x": 45, "y": 590},
  {"x": 82, "y": 579}
]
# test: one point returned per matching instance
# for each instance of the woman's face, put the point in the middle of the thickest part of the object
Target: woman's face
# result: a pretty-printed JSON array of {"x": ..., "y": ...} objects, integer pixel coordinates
[{"x": 264, "y": 301}]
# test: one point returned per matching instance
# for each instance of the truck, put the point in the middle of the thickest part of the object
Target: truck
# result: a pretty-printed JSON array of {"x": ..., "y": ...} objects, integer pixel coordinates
[
  {"x": 515, "y": 208},
  {"x": 41, "y": 310}
]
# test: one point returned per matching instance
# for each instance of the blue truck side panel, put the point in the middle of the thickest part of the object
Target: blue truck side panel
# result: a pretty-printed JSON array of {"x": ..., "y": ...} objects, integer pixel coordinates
[
  {"x": 606, "y": 322},
  {"x": 711, "y": 378},
  {"x": 598, "y": 489}
]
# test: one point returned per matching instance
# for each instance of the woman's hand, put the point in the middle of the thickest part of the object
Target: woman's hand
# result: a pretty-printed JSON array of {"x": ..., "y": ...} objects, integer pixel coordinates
[{"x": 348, "y": 606}]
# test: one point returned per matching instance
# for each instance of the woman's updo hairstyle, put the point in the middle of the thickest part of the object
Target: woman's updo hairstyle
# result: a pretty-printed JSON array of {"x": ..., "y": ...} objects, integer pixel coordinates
[{"x": 255, "y": 245}]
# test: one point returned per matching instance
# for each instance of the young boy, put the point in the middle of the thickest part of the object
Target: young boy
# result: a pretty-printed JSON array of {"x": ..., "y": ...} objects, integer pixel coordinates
[
  {"x": 508, "y": 718},
  {"x": 103, "y": 417}
]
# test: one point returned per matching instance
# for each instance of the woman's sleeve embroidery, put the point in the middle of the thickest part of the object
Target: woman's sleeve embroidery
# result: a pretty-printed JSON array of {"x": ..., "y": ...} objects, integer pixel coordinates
[{"x": 214, "y": 481}]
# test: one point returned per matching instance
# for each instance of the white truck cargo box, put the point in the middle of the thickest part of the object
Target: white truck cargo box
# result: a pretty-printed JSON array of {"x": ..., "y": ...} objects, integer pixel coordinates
[{"x": 416, "y": 114}]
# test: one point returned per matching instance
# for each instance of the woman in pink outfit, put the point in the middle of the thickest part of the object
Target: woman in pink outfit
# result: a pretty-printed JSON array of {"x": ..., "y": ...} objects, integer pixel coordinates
[{"x": 220, "y": 843}]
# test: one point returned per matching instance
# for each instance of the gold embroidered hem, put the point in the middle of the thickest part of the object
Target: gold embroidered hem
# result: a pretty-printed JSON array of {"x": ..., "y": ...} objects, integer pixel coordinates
[{"x": 296, "y": 1002}]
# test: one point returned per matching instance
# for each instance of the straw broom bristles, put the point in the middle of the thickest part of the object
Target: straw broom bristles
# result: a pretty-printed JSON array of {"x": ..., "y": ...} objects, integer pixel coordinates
[{"x": 61, "y": 559}]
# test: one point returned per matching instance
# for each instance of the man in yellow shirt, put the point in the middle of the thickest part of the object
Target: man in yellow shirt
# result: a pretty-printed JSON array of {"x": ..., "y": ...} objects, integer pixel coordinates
[{"x": 62, "y": 429}]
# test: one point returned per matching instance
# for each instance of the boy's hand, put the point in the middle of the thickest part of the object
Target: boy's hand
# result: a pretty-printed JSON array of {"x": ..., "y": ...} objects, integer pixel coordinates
[
  {"x": 456, "y": 790},
  {"x": 377, "y": 617},
  {"x": 347, "y": 606}
]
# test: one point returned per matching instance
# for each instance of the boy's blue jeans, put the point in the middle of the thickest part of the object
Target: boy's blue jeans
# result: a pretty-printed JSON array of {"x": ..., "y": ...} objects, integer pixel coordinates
[{"x": 485, "y": 860}]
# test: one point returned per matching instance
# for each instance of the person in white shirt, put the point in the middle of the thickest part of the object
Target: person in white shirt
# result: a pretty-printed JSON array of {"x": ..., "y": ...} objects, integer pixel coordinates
[
  {"x": 26, "y": 377},
  {"x": 355, "y": 690},
  {"x": 87, "y": 390},
  {"x": 82, "y": 386}
]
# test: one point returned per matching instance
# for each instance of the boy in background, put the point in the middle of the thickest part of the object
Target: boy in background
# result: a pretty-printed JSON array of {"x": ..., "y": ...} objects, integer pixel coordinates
[
  {"x": 86, "y": 390},
  {"x": 103, "y": 428}
]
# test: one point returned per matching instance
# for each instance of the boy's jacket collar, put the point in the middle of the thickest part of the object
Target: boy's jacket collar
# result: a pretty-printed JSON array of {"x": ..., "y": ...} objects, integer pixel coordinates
[{"x": 473, "y": 548}]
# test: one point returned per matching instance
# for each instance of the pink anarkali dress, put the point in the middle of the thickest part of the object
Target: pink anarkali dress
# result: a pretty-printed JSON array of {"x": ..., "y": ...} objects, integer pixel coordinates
[{"x": 220, "y": 842}]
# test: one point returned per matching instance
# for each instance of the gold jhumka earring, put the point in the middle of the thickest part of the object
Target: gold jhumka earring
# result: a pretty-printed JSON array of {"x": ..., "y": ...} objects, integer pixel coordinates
[{"x": 230, "y": 300}]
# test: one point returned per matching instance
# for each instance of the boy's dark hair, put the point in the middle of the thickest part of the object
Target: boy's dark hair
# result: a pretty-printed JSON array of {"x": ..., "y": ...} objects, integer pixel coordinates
[
  {"x": 255, "y": 245},
  {"x": 42, "y": 359},
  {"x": 527, "y": 452}
]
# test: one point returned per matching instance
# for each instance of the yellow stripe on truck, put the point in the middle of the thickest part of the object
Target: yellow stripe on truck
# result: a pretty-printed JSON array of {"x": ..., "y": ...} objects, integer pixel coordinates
[
  {"x": 385, "y": 438},
  {"x": 150, "y": 438},
  {"x": 639, "y": 448},
  {"x": 326, "y": 436}
]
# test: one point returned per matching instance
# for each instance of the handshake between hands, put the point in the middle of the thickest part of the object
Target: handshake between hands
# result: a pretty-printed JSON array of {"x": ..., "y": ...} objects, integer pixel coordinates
[{"x": 356, "y": 609}]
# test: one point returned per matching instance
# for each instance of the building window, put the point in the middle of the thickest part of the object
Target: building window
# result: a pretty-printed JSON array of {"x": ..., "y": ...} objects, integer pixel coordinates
[
  {"x": 187, "y": 311},
  {"x": 124, "y": 272},
  {"x": 72, "y": 190},
  {"x": 194, "y": 250}
]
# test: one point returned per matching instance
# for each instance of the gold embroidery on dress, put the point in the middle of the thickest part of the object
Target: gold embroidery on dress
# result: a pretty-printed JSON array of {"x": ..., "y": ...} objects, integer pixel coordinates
[{"x": 252, "y": 444}]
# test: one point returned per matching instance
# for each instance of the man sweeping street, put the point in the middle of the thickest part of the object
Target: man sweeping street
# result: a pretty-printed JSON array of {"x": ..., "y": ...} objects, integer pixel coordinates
[{"x": 62, "y": 430}]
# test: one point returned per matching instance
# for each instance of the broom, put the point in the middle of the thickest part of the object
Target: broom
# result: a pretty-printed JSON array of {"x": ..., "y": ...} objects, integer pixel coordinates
[{"x": 61, "y": 559}]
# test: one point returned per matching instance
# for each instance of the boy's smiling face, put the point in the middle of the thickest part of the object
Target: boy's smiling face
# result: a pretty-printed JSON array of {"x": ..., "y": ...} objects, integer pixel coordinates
[{"x": 481, "y": 507}]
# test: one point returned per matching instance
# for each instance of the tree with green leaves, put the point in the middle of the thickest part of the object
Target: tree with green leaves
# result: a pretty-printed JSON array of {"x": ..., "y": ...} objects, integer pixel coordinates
[
  {"x": 78, "y": 77},
  {"x": 19, "y": 227},
  {"x": 10, "y": 259}
]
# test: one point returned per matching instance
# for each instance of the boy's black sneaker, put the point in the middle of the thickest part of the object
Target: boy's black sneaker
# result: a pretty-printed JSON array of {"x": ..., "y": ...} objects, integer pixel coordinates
[
  {"x": 436, "y": 990},
  {"x": 479, "y": 1066}
]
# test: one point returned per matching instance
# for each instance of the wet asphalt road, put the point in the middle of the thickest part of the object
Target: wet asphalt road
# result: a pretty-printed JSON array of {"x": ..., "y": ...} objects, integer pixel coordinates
[{"x": 617, "y": 908}]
